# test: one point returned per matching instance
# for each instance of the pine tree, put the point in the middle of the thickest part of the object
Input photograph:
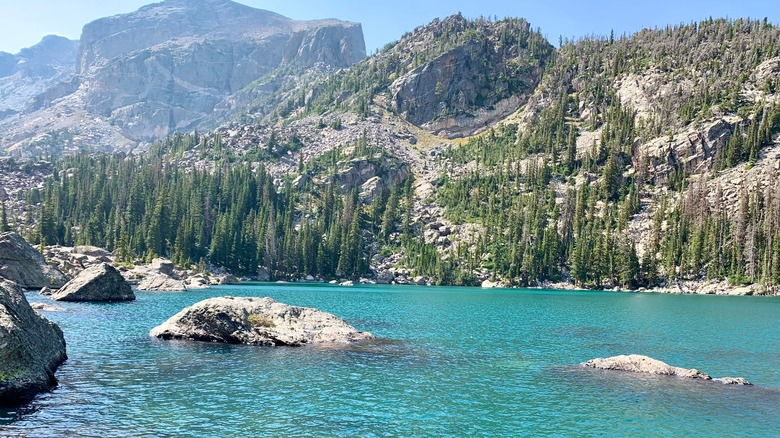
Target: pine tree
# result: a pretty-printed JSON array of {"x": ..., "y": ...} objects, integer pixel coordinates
[{"x": 3, "y": 219}]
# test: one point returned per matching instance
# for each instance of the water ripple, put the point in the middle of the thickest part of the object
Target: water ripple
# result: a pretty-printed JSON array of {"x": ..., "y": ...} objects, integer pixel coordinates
[{"x": 453, "y": 362}]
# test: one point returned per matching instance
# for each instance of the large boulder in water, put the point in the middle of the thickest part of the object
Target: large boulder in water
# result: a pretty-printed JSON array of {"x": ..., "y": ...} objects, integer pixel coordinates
[
  {"x": 257, "y": 321},
  {"x": 99, "y": 283},
  {"x": 31, "y": 348},
  {"x": 642, "y": 364},
  {"x": 25, "y": 266}
]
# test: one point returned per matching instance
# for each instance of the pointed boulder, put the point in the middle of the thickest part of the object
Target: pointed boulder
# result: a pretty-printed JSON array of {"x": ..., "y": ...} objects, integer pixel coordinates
[{"x": 99, "y": 283}]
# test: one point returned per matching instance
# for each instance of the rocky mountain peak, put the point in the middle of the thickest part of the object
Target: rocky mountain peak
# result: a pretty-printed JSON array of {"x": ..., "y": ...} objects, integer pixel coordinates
[
  {"x": 166, "y": 22},
  {"x": 174, "y": 65},
  {"x": 52, "y": 52}
]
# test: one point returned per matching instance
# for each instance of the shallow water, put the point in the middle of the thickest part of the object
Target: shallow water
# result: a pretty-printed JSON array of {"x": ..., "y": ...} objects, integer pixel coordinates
[{"x": 452, "y": 362}]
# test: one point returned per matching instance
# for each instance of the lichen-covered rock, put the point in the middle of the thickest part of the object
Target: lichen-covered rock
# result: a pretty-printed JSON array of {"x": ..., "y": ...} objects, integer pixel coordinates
[
  {"x": 98, "y": 283},
  {"x": 25, "y": 266},
  {"x": 31, "y": 348},
  {"x": 642, "y": 364},
  {"x": 257, "y": 321}
]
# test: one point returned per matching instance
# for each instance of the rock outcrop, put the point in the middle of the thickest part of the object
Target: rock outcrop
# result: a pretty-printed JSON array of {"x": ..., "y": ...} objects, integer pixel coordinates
[
  {"x": 162, "y": 283},
  {"x": 98, "y": 283},
  {"x": 474, "y": 84},
  {"x": 257, "y": 321},
  {"x": 162, "y": 266},
  {"x": 25, "y": 266},
  {"x": 73, "y": 260},
  {"x": 31, "y": 348},
  {"x": 160, "y": 277},
  {"x": 642, "y": 364}
]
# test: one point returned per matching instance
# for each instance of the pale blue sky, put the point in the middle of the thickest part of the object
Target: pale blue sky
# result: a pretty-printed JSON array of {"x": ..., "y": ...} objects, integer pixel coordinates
[{"x": 24, "y": 22}]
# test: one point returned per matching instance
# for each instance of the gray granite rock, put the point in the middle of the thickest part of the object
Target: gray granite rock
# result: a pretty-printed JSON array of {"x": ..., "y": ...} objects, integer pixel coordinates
[
  {"x": 161, "y": 283},
  {"x": 642, "y": 364},
  {"x": 98, "y": 283},
  {"x": 31, "y": 348},
  {"x": 25, "y": 266},
  {"x": 257, "y": 321}
]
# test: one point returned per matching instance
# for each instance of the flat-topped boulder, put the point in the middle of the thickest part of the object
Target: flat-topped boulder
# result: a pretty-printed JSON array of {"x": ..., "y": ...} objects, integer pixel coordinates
[
  {"x": 162, "y": 283},
  {"x": 635, "y": 363},
  {"x": 25, "y": 266},
  {"x": 162, "y": 266},
  {"x": 257, "y": 321},
  {"x": 31, "y": 348},
  {"x": 99, "y": 283}
]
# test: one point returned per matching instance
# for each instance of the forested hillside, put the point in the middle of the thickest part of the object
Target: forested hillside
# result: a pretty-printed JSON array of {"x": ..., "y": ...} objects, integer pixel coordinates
[{"x": 634, "y": 161}]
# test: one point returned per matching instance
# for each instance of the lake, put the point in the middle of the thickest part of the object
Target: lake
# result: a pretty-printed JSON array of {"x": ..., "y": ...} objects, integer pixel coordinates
[{"x": 451, "y": 362}]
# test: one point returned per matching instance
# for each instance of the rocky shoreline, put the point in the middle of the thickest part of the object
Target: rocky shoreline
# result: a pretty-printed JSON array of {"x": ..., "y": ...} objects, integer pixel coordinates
[{"x": 721, "y": 288}]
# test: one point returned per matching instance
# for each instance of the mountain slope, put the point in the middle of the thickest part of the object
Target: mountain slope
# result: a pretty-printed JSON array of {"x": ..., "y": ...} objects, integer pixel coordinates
[
  {"x": 452, "y": 77},
  {"x": 638, "y": 162}
]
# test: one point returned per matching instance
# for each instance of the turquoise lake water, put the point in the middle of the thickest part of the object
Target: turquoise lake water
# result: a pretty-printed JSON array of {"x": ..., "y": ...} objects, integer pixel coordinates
[{"x": 452, "y": 362}]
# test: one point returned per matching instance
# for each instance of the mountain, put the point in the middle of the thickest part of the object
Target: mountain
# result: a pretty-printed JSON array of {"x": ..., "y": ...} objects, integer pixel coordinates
[
  {"x": 26, "y": 76},
  {"x": 173, "y": 66},
  {"x": 453, "y": 77},
  {"x": 468, "y": 152}
]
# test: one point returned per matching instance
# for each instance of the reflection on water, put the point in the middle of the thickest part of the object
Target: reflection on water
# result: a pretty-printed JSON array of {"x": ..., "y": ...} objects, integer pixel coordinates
[{"x": 449, "y": 362}]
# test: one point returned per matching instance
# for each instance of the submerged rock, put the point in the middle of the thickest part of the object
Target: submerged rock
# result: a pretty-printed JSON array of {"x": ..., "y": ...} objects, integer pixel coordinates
[
  {"x": 98, "y": 283},
  {"x": 31, "y": 348},
  {"x": 46, "y": 307},
  {"x": 25, "y": 266},
  {"x": 642, "y": 364},
  {"x": 257, "y": 321}
]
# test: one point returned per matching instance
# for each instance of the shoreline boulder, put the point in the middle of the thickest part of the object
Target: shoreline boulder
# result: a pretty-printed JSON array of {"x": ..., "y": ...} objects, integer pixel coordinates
[
  {"x": 162, "y": 283},
  {"x": 99, "y": 283},
  {"x": 25, "y": 266},
  {"x": 31, "y": 348},
  {"x": 635, "y": 363},
  {"x": 257, "y": 321}
]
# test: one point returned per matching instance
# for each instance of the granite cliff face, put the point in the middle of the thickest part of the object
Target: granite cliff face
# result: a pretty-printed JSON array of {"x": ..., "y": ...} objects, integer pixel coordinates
[
  {"x": 26, "y": 76},
  {"x": 476, "y": 83},
  {"x": 167, "y": 66}
]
